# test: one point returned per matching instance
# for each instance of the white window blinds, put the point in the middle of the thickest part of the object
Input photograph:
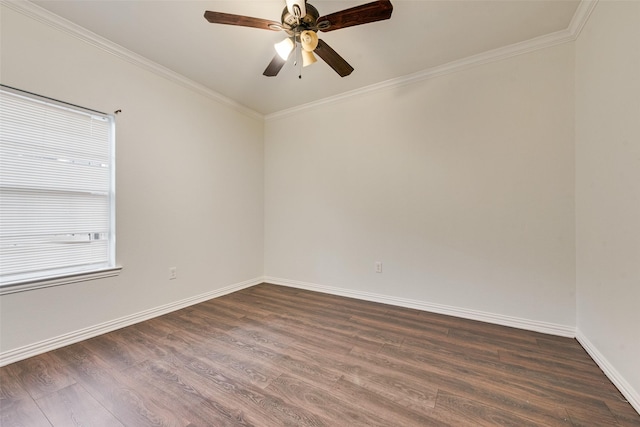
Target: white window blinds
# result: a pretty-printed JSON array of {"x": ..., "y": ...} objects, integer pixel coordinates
[{"x": 56, "y": 189}]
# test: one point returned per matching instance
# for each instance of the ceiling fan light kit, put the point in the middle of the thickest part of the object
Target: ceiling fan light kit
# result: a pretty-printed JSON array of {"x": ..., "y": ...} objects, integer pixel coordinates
[
  {"x": 308, "y": 40},
  {"x": 284, "y": 48},
  {"x": 301, "y": 21},
  {"x": 308, "y": 58}
]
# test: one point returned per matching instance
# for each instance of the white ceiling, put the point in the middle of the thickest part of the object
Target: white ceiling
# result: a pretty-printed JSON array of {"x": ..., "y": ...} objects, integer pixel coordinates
[{"x": 420, "y": 35}]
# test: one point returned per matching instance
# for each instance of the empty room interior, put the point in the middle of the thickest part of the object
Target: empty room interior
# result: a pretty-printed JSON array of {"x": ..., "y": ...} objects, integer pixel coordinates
[{"x": 448, "y": 235}]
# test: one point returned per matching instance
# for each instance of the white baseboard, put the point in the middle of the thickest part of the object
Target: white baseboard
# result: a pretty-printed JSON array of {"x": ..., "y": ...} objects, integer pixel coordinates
[
  {"x": 34, "y": 349},
  {"x": 544, "y": 327},
  {"x": 498, "y": 319},
  {"x": 633, "y": 396},
  {"x": 31, "y": 350}
]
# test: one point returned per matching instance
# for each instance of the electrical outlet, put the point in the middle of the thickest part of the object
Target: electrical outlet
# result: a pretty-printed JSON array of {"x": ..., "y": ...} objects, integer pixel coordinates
[
  {"x": 378, "y": 267},
  {"x": 173, "y": 273}
]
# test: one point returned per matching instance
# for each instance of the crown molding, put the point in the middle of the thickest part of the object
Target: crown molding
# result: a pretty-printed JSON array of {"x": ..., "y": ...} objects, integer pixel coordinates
[
  {"x": 571, "y": 33},
  {"x": 42, "y": 15},
  {"x": 581, "y": 16}
]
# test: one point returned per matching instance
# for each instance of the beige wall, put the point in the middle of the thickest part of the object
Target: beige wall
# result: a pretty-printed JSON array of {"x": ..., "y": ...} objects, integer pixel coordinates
[
  {"x": 608, "y": 189},
  {"x": 461, "y": 185},
  {"x": 189, "y": 185}
]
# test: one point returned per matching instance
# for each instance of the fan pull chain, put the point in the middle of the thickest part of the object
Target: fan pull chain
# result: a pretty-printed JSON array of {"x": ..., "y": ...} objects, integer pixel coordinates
[
  {"x": 300, "y": 58},
  {"x": 300, "y": 52}
]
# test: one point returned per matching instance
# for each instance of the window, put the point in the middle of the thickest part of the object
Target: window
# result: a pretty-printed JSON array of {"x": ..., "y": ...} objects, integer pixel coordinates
[{"x": 56, "y": 190}]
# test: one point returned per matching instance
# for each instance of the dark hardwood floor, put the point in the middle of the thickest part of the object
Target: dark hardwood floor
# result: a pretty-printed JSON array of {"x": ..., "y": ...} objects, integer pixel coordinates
[{"x": 276, "y": 356}]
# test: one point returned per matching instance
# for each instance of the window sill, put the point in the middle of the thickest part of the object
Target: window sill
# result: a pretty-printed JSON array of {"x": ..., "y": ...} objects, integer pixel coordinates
[{"x": 58, "y": 281}]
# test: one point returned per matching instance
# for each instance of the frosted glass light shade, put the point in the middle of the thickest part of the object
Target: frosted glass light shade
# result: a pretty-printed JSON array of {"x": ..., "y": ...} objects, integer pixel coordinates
[
  {"x": 308, "y": 40},
  {"x": 308, "y": 58},
  {"x": 284, "y": 48}
]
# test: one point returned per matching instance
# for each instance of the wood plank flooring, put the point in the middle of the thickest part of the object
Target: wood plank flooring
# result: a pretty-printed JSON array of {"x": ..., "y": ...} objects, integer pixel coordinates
[{"x": 277, "y": 356}]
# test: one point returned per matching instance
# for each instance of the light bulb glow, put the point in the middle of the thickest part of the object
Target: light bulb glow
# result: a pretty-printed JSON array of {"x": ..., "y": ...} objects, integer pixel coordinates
[{"x": 284, "y": 48}]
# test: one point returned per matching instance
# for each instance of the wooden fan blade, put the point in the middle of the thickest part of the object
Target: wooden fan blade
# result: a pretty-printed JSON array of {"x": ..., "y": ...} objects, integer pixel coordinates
[
  {"x": 332, "y": 58},
  {"x": 240, "y": 20},
  {"x": 364, "y": 14},
  {"x": 274, "y": 66}
]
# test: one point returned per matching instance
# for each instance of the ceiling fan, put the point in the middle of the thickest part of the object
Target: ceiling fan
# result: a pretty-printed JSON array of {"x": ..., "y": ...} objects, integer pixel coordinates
[{"x": 301, "y": 21}]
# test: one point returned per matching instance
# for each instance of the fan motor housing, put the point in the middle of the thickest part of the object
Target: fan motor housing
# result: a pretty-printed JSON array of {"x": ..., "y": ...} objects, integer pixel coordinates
[{"x": 307, "y": 22}]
